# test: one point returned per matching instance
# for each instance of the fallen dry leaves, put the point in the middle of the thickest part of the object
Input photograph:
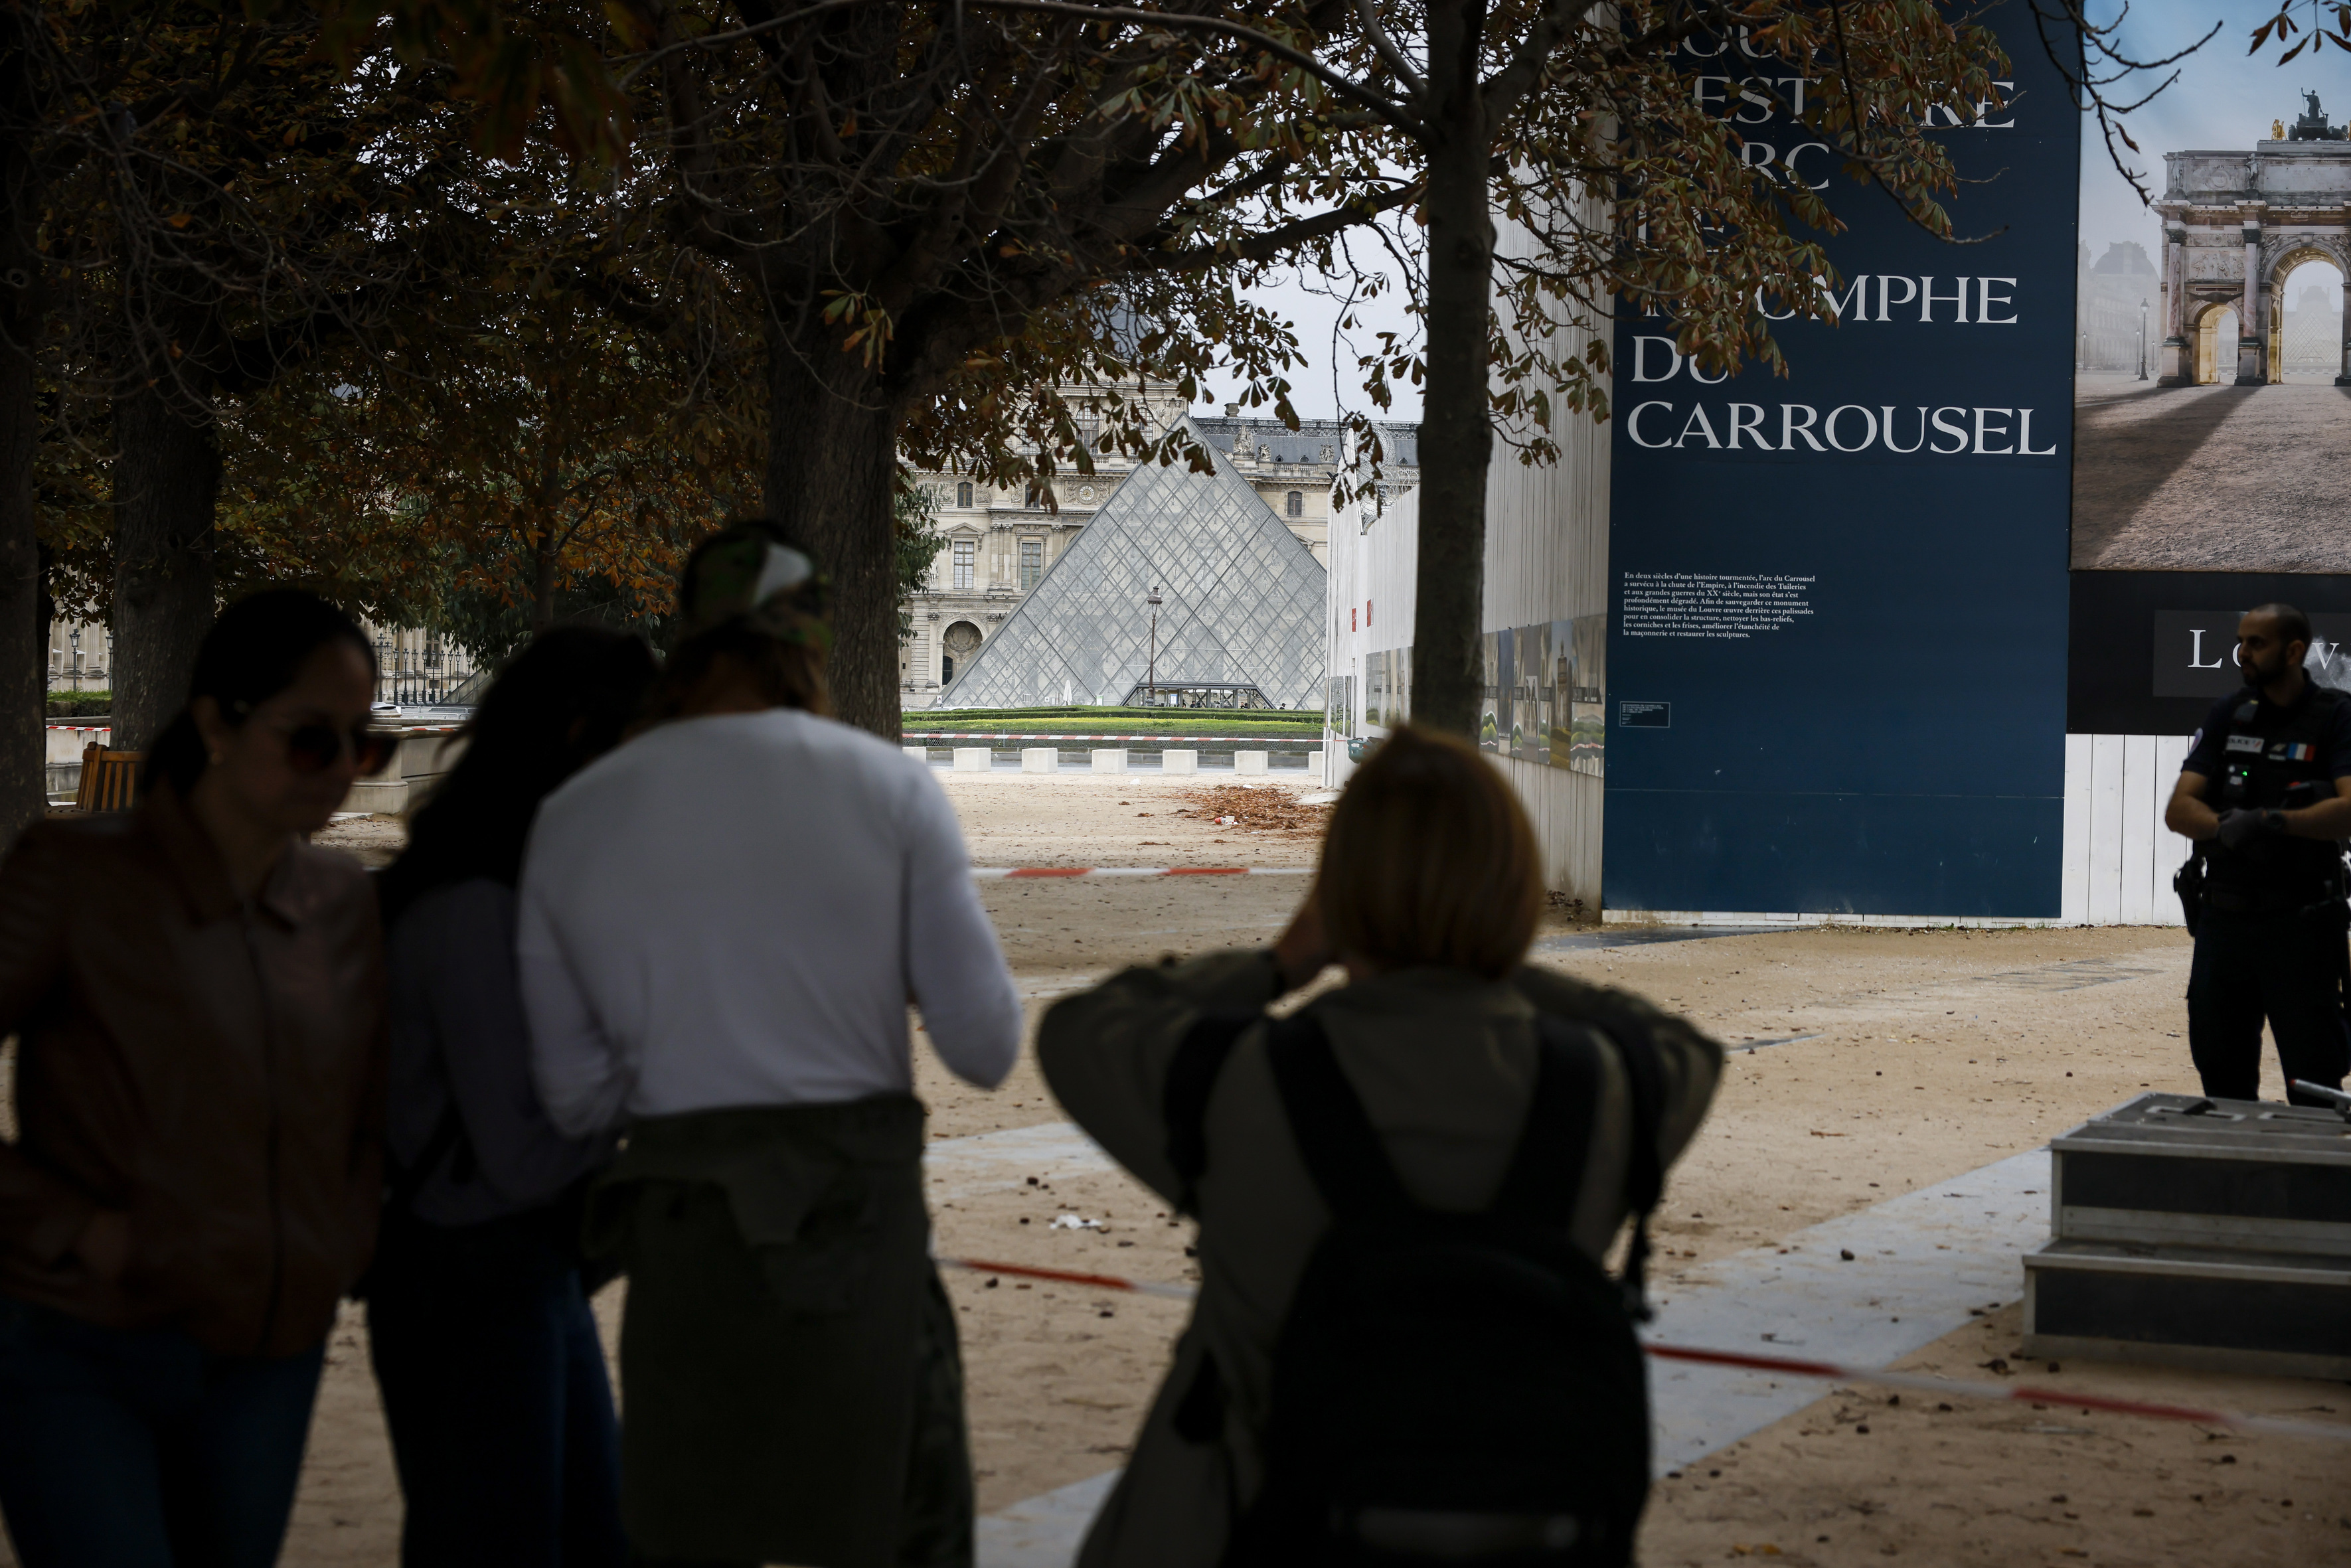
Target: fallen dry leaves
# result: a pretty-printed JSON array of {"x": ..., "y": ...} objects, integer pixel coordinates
[{"x": 1257, "y": 811}]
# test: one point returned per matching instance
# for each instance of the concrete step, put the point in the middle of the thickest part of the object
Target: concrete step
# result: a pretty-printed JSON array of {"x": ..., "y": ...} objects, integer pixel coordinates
[
  {"x": 2176, "y": 1170},
  {"x": 2219, "y": 1309}
]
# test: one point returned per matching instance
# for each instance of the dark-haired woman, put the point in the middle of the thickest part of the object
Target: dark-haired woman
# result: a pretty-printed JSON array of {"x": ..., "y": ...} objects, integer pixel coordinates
[
  {"x": 492, "y": 1379},
  {"x": 197, "y": 994}
]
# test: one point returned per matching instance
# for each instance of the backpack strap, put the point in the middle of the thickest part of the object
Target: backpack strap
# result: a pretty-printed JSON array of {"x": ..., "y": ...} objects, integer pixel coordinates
[
  {"x": 1184, "y": 1098},
  {"x": 1645, "y": 1173},
  {"x": 1337, "y": 1140},
  {"x": 1546, "y": 1173}
]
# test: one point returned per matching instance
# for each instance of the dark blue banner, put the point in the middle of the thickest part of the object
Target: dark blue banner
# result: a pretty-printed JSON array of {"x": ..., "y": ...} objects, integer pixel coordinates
[{"x": 1837, "y": 648}]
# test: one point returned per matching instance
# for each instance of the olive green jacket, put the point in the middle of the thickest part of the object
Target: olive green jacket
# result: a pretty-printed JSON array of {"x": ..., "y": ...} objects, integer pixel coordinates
[
  {"x": 771, "y": 1356},
  {"x": 1444, "y": 1063}
]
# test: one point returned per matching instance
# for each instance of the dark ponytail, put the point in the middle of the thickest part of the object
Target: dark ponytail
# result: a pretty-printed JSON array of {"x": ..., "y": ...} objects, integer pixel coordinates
[
  {"x": 254, "y": 651},
  {"x": 563, "y": 702}
]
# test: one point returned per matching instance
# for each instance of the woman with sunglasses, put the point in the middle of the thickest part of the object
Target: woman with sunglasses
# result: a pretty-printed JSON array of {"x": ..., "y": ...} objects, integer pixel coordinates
[
  {"x": 197, "y": 994},
  {"x": 493, "y": 1377}
]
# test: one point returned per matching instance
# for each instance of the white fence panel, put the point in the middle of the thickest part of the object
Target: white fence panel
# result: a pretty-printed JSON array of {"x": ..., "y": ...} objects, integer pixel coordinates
[
  {"x": 2171, "y": 851},
  {"x": 2136, "y": 907},
  {"x": 2118, "y": 857},
  {"x": 2106, "y": 830},
  {"x": 2073, "y": 883}
]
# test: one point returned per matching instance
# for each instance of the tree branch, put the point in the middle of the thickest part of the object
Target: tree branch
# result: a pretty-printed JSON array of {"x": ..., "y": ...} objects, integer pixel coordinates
[
  {"x": 1369, "y": 11},
  {"x": 1388, "y": 110}
]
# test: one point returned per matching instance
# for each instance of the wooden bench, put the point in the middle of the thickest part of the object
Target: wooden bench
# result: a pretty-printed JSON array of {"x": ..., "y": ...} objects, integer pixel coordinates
[{"x": 108, "y": 779}]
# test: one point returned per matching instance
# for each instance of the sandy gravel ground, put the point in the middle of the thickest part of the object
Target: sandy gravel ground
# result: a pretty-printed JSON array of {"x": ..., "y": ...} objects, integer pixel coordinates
[
  {"x": 1862, "y": 1476},
  {"x": 1934, "y": 1052},
  {"x": 1061, "y": 819},
  {"x": 2216, "y": 478}
]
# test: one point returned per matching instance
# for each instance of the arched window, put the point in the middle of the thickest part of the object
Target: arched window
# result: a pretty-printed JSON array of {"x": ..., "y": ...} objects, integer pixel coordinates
[
  {"x": 1298, "y": 502},
  {"x": 963, "y": 494}
]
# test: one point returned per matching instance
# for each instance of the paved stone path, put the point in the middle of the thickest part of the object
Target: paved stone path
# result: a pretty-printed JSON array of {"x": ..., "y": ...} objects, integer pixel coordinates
[{"x": 2218, "y": 478}]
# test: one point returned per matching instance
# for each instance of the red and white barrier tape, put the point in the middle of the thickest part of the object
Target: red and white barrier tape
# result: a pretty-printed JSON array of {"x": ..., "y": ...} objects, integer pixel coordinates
[
  {"x": 995, "y": 873},
  {"x": 1913, "y": 1382},
  {"x": 1064, "y": 1277}
]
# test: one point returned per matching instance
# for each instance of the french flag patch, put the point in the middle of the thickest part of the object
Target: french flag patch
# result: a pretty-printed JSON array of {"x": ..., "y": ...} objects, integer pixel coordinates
[{"x": 2300, "y": 751}]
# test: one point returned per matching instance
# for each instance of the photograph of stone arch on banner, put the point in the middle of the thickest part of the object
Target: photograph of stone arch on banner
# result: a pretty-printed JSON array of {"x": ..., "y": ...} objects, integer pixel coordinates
[
  {"x": 2212, "y": 414},
  {"x": 2212, "y": 390}
]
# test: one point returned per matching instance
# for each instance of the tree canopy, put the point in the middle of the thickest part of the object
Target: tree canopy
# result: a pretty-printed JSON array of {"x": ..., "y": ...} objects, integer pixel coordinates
[{"x": 481, "y": 304}]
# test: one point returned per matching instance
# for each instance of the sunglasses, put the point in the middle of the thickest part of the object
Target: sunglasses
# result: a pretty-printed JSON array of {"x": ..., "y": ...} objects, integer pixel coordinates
[{"x": 315, "y": 748}]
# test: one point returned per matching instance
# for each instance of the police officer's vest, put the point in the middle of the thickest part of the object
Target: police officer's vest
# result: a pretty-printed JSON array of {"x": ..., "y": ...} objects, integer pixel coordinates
[{"x": 2265, "y": 755}]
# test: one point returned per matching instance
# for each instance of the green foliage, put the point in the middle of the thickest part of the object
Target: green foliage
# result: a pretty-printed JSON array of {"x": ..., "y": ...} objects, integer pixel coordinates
[
  {"x": 1272, "y": 724},
  {"x": 80, "y": 705},
  {"x": 560, "y": 412},
  {"x": 916, "y": 540}
]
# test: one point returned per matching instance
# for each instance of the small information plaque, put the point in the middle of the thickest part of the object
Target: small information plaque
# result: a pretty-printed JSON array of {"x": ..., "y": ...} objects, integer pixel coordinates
[{"x": 1645, "y": 716}]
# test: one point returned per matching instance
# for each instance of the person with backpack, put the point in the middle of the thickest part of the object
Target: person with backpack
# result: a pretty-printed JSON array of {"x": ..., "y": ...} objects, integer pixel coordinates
[
  {"x": 1405, "y": 1347},
  {"x": 491, "y": 1370}
]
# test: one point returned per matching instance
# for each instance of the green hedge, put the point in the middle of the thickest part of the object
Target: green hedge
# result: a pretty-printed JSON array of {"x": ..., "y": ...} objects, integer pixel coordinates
[
  {"x": 80, "y": 705},
  {"x": 1114, "y": 721},
  {"x": 1311, "y": 716}
]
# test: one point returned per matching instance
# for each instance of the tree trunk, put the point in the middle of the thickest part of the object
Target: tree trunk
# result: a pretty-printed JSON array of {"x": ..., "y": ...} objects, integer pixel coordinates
[
  {"x": 166, "y": 480},
  {"x": 542, "y": 583},
  {"x": 22, "y": 678},
  {"x": 1457, "y": 439},
  {"x": 831, "y": 456}
]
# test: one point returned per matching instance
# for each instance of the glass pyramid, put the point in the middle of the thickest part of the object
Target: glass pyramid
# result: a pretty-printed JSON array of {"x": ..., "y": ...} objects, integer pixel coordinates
[{"x": 1243, "y": 601}]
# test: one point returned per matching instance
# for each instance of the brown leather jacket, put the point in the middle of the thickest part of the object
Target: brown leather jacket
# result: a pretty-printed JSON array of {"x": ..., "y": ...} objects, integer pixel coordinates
[{"x": 214, "y": 1069}]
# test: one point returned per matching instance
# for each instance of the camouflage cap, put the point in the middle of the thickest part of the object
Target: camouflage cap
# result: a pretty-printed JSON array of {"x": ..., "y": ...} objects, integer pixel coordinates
[{"x": 745, "y": 573}]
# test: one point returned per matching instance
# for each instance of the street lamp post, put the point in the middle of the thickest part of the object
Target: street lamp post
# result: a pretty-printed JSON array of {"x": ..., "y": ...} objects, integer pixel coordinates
[
  {"x": 1151, "y": 670},
  {"x": 2142, "y": 338}
]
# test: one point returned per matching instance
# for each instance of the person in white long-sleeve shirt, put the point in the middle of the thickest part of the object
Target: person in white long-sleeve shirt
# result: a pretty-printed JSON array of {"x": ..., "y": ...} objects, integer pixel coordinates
[
  {"x": 722, "y": 925},
  {"x": 735, "y": 909}
]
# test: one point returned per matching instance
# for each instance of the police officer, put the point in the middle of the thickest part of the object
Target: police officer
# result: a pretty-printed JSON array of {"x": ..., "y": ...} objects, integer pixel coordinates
[{"x": 2266, "y": 795}]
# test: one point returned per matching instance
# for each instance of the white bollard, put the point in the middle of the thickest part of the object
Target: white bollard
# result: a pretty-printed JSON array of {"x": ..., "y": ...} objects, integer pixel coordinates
[
  {"x": 1109, "y": 761},
  {"x": 971, "y": 758},
  {"x": 921, "y": 754},
  {"x": 1180, "y": 762},
  {"x": 1041, "y": 759},
  {"x": 1251, "y": 761}
]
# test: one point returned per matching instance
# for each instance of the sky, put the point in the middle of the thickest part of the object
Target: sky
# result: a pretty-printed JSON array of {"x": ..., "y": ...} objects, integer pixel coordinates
[
  {"x": 1313, "y": 316},
  {"x": 2224, "y": 99}
]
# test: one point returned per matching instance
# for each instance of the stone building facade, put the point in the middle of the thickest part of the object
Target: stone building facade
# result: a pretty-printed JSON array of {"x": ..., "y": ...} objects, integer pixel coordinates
[
  {"x": 81, "y": 657},
  {"x": 2115, "y": 298},
  {"x": 416, "y": 668},
  {"x": 2236, "y": 226},
  {"x": 1000, "y": 544}
]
